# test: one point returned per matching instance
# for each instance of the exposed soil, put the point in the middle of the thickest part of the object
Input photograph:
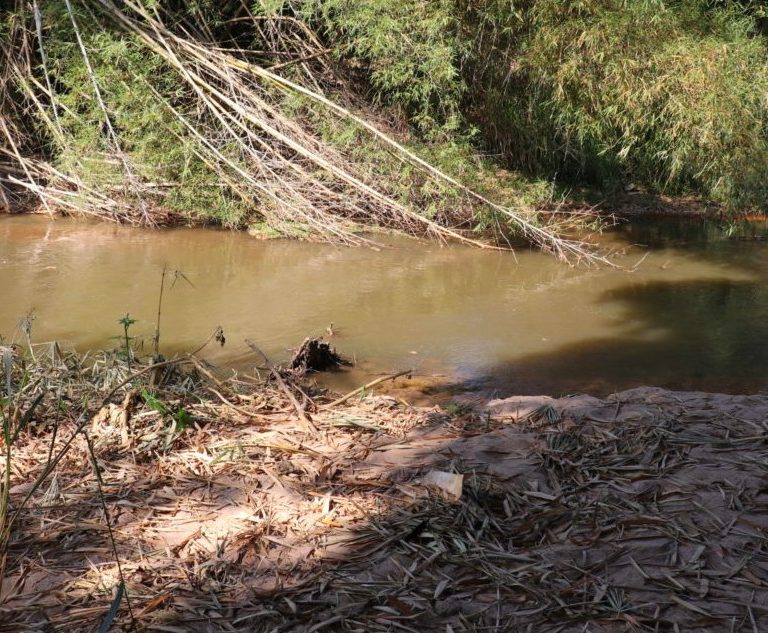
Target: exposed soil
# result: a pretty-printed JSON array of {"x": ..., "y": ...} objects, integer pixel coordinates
[{"x": 643, "y": 511}]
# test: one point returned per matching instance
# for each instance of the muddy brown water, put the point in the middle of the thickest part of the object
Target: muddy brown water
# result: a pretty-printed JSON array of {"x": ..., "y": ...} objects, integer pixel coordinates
[{"x": 693, "y": 315}]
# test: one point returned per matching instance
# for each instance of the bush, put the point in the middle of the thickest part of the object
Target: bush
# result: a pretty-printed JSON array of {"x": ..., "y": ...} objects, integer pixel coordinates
[
  {"x": 669, "y": 93},
  {"x": 154, "y": 142}
]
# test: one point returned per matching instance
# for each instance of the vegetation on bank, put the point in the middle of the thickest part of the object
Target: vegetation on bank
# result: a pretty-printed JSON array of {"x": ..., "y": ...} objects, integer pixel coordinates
[{"x": 311, "y": 117}]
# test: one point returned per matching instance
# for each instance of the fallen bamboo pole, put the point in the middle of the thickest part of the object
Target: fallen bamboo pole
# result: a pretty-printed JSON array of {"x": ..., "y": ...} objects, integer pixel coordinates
[{"x": 365, "y": 387}]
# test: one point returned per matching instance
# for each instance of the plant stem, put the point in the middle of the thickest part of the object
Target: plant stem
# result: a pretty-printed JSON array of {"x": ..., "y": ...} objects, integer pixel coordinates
[{"x": 159, "y": 312}]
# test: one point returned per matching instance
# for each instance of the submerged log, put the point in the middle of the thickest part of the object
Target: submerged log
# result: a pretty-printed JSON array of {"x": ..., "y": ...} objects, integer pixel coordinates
[{"x": 315, "y": 354}]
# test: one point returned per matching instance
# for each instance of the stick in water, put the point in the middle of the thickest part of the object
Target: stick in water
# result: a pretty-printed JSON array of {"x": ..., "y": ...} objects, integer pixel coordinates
[{"x": 373, "y": 383}]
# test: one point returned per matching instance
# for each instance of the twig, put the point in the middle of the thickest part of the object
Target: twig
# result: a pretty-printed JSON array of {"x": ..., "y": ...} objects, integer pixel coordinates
[
  {"x": 156, "y": 338},
  {"x": 108, "y": 522},
  {"x": 373, "y": 383},
  {"x": 306, "y": 419}
]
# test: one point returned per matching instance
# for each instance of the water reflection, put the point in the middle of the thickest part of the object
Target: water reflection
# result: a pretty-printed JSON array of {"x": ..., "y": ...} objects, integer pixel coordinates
[{"x": 733, "y": 243}]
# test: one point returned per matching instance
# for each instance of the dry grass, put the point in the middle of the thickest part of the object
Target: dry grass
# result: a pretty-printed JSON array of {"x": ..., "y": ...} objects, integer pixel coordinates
[{"x": 642, "y": 512}]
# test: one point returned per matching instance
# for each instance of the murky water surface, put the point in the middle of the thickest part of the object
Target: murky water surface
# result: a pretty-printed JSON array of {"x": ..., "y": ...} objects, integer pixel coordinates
[{"x": 694, "y": 314}]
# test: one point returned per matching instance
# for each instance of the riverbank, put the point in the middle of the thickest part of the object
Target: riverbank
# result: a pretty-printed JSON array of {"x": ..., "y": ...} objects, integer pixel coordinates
[
  {"x": 309, "y": 117},
  {"x": 606, "y": 207},
  {"x": 251, "y": 504}
]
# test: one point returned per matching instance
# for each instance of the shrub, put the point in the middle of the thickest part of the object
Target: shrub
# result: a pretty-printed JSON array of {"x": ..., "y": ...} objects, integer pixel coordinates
[
  {"x": 672, "y": 94},
  {"x": 411, "y": 52}
]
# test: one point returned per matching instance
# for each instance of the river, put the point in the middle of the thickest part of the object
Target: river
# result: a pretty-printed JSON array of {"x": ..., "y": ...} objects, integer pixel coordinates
[{"x": 692, "y": 315}]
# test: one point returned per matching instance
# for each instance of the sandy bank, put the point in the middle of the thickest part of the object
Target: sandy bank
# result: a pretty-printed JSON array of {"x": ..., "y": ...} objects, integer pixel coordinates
[{"x": 643, "y": 511}]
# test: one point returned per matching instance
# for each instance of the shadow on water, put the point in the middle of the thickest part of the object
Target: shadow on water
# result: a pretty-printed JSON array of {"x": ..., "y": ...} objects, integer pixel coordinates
[
  {"x": 679, "y": 232},
  {"x": 730, "y": 243},
  {"x": 707, "y": 335}
]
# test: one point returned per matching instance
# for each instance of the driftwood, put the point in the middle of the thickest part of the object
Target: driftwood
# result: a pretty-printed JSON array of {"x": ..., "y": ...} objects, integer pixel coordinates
[
  {"x": 300, "y": 410},
  {"x": 314, "y": 354}
]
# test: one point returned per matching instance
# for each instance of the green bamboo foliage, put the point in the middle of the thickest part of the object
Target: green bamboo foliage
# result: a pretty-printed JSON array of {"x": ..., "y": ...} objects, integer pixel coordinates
[
  {"x": 412, "y": 53},
  {"x": 672, "y": 94},
  {"x": 112, "y": 107},
  {"x": 667, "y": 93}
]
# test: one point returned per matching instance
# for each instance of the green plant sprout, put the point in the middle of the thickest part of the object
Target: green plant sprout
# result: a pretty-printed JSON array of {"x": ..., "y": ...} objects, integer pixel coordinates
[{"x": 127, "y": 322}]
